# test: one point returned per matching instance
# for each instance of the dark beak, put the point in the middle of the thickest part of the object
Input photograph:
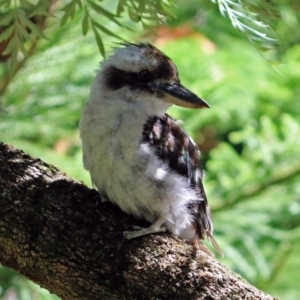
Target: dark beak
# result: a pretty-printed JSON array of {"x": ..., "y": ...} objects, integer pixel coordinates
[{"x": 179, "y": 95}]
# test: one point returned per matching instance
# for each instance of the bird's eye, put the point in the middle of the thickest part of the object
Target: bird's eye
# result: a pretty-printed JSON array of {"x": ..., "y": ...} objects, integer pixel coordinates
[{"x": 145, "y": 76}]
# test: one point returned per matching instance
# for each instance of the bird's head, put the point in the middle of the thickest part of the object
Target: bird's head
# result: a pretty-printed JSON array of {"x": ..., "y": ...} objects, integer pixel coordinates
[{"x": 141, "y": 71}]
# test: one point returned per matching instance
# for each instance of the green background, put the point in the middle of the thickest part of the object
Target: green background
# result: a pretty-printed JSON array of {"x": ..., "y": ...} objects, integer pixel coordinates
[{"x": 249, "y": 138}]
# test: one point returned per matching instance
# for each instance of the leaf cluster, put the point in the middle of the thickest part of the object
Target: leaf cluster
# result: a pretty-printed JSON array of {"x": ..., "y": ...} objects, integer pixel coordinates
[
  {"x": 23, "y": 22},
  {"x": 256, "y": 19},
  {"x": 146, "y": 12}
]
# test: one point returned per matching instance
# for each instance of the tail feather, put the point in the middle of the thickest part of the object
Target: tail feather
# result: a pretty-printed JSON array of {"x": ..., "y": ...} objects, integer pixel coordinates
[{"x": 215, "y": 244}]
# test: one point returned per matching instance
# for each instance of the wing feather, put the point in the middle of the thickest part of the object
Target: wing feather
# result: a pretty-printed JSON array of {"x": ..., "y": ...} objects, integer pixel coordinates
[{"x": 175, "y": 148}]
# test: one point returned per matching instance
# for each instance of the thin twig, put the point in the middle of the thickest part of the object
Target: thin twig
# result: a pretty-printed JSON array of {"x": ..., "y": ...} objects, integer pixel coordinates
[
  {"x": 246, "y": 195},
  {"x": 8, "y": 77}
]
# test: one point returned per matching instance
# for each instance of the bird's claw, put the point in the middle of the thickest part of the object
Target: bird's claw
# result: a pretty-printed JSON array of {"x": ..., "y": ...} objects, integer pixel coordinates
[{"x": 139, "y": 231}]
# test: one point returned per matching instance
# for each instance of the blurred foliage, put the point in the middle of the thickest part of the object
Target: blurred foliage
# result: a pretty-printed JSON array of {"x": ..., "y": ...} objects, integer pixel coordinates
[
  {"x": 15, "y": 287},
  {"x": 249, "y": 137},
  {"x": 22, "y": 22}
]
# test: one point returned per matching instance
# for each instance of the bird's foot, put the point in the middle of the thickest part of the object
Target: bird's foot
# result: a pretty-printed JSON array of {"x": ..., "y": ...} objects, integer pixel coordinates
[
  {"x": 139, "y": 231},
  {"x": 137, "y": 228}
]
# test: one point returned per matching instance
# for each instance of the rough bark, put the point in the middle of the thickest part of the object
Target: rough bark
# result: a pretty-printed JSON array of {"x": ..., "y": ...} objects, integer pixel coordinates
[{"x": 55, "y": 231}]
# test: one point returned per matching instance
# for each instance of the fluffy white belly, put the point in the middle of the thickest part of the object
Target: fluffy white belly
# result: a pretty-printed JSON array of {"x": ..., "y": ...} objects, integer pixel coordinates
[
  {"x": 127, "y": 183},
  {"x": 130, "y": 174}
]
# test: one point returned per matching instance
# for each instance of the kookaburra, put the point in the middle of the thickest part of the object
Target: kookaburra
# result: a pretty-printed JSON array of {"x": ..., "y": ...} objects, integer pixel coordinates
[{"x": 137, "y": 155}]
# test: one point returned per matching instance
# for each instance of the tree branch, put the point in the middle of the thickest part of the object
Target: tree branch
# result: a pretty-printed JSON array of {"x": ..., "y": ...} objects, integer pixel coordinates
[{"x": 55, "y": 231}]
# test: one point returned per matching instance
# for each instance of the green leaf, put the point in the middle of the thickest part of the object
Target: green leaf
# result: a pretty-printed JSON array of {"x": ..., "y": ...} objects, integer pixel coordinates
[
  {"x": 11, "y": 45},
  {"x": 100, "y": 10},
  {"x": 69, "y": 12},
  {"x": 6, "y": 34},
  {"x": 26, "y": 4},
  {"x": 13, "y": 60},
  {"x": 41, "y": 8},
  {"x": 107, "y": 31},
  {"x": 23, "y": 32},
  {"x": 85, "y": 23},
  {"x": 72, "y": 9},
  {"x": 21, "y": 46},
  {"x": 5, "y": 3},
  {"x": 141, "y": 7},
  {"x": 64, "y": 18},
  {"x": 133, "y": 15},
  {"x": 99, "y": 41},
  {"x": 79, "y": 3},
  {"x": 25, "y": 21},
  {"x": 167, "y": 10},
  {"x": 7, "y": 18},
  {"x": 121, "y": 7}
]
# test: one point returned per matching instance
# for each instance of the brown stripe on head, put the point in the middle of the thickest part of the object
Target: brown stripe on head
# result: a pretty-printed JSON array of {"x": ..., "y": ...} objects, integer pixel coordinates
[{"x": 165, "y": 68}]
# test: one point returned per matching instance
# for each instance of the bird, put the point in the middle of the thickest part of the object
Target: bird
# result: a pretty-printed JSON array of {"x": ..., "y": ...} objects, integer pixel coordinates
[{"x": 138, "y": 156}]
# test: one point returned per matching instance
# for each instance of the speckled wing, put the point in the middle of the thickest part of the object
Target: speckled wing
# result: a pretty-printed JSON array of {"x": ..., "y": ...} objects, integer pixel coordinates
[{"x": 173, "y": 146}]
